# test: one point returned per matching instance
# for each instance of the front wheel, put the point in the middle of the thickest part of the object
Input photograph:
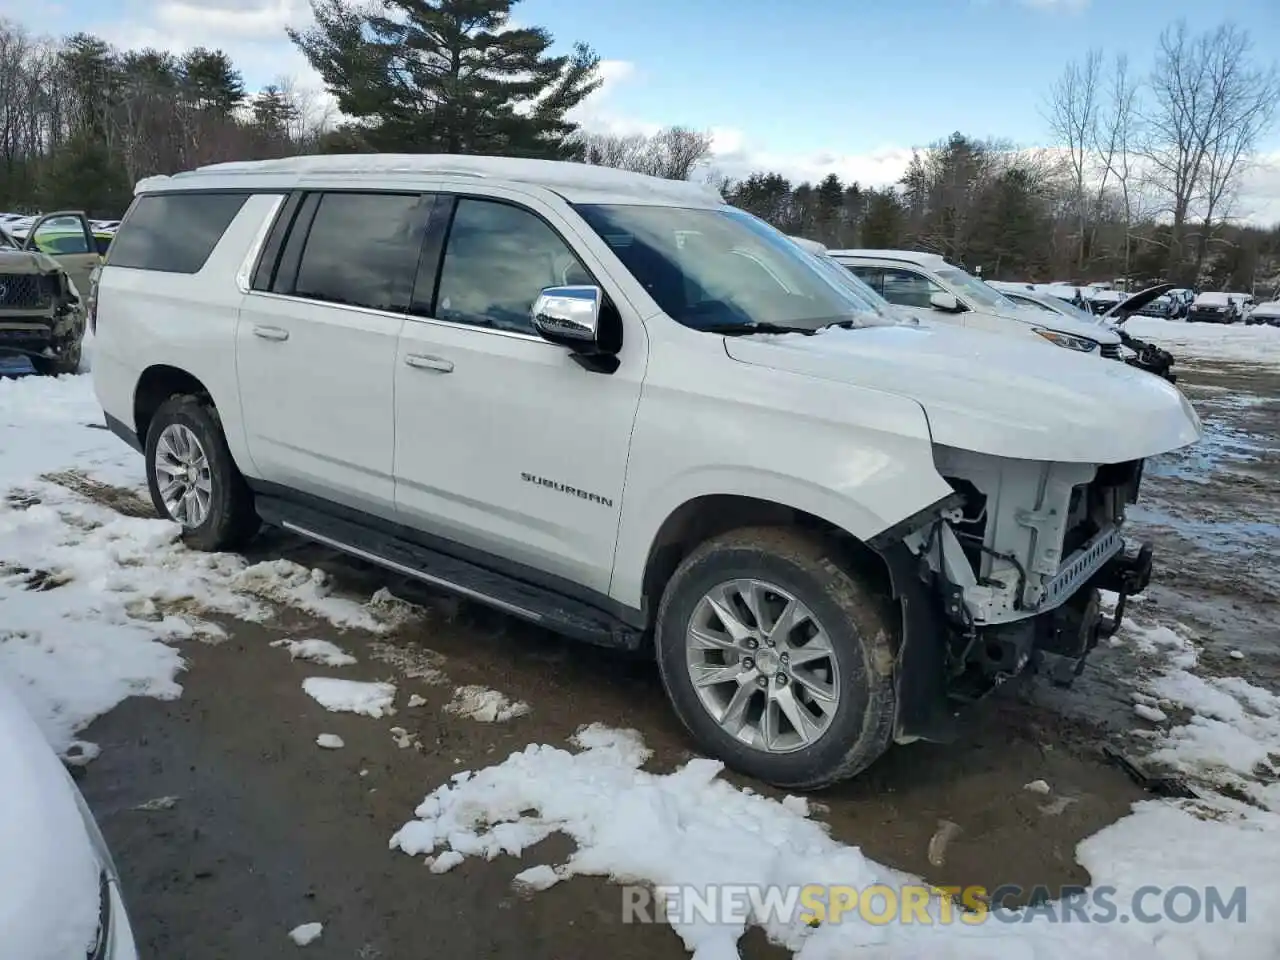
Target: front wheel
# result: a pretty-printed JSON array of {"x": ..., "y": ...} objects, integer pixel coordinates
[
  {"x": 193, "y": 479},
  {"x": 778, "y": 659}
]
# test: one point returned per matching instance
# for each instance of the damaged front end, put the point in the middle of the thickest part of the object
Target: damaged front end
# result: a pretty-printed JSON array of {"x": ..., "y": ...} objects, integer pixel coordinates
[
  {"x": 41, "y": 316},
  {"x": 1006, "y": 575}
]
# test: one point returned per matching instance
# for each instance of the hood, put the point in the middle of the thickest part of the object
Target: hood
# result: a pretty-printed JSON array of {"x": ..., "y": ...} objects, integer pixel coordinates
[
  {"x": 1268, "y": 308},
  {"x": 48, "y": 871},
  {"x": 1123, "y": 310},
  {"x": 27, "y": 261},
  {"x": 993, "y": 394},
  {"x": 1091, "y": 329}
]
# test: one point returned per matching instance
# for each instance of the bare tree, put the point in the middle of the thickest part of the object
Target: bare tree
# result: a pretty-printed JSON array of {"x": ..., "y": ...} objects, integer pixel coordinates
[
  {"x": 1117, "y": 132},
  {"x": 1210, "y": 105},
  {"x": 675, "y": 153},
  {"x": 1073, "y": 116}
]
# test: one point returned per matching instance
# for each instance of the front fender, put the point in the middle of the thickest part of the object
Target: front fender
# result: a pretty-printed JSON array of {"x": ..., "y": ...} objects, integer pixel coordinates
[{"x": 708, "y": 425}]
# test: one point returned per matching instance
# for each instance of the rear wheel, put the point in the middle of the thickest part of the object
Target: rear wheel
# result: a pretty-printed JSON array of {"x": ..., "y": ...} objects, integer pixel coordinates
[
  {"x": 192, "y": 478},
  {"x": 777, "y": 658}
]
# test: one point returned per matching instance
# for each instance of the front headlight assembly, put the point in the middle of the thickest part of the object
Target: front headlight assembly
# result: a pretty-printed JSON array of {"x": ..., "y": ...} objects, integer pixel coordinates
[{"x": 1082, "y": 344}]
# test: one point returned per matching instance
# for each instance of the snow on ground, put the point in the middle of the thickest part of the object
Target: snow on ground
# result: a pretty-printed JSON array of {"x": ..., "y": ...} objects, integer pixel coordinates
[
  {"x": 692, "y": 828},
  {"x": 351, "y": 696},
  {"x": 93, "y": 600},
  {"x": 330, "y": 741},
  {"x": 317, "y": 651},
  {"x": 484, "y": 705},
  {"x": 1210, "y": 341}
]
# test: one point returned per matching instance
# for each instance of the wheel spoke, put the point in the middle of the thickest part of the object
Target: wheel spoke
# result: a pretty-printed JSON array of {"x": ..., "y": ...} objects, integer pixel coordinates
[
  {"x": 734, "y": 717},
  {"x": 821, "y": 692},
  {"x": 709, "y": 675},
  {"x": 769, "y": 725},
  {"x": 816, "y": 649},
  {"x": 704, "y": 639},
  {"x": 167, "y": 467},
  {"x": 792, "y": 615},
  {"x": 806, "y": 727},
  {"x": 752, "y": 594},
  {"x": 722, "y": 604}
]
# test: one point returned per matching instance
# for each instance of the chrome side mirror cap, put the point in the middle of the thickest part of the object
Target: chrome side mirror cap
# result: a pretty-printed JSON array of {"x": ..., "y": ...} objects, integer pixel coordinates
[{"x": 569, "y": 316}]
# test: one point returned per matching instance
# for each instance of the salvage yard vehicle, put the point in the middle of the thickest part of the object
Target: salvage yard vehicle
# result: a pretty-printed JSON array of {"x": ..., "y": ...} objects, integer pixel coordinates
[
  {"x": 937, "y": 290},
  {"x": 1213, "y": 307},
  {"x": 62, "y": 893},
  {"x": 1267, "y": 312},
  {"x": 618, "y": 407},
  {"x": 42, "y": 314}
]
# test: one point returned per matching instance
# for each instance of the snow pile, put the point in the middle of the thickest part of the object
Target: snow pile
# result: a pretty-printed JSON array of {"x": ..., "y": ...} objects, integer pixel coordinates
[
  {"x": 484, "y": 705},
  {"x": 306, "y": 933},
  {"x": 692, "y": 828},
  {"x": 351, "y": 696},
  {"x": 1231, "y": 742},
  {"x": 1210, "y": 341},
  {"x": 330, "y": 741},
  {"x": 91, "y": 598},
  {"x": 316, "y": 651}
]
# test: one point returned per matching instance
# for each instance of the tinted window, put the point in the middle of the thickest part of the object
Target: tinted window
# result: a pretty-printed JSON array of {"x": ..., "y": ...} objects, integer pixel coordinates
[
  {"x": 907, "y": 288},
  {"x": 498, "y": 258},
  {"x": 871, "y": 276},
  {"x": 362, "y": 250},
  {"x": 175, "y": 232}
]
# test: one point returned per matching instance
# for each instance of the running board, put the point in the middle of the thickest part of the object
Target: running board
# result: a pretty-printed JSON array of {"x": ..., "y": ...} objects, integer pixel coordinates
[{"x": 545, "y": 608}]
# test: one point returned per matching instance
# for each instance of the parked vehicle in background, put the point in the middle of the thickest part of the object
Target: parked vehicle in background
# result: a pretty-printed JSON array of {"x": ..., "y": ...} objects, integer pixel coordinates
[
  {"x": 42, "y": 313},
  {"x": 1182, "y": 299},
  {"x": 62, "y": 892},
  {"x": 1267, "y": 312},
  {"x": 934, "y": 289},
  {"x": 1100, "y": 301},
  {"x": 617, "y": 407},
  {"x": 1135, "y": 352},
  {"x": 1212, "y": 307}
]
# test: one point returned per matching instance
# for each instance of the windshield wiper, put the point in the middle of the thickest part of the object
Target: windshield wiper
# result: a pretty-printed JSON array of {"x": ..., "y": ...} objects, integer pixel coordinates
[{"x": 741, "y": 329}]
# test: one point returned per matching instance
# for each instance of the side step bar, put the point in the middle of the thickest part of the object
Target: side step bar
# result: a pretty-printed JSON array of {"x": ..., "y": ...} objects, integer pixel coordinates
[{"x": 535, "y": 604}]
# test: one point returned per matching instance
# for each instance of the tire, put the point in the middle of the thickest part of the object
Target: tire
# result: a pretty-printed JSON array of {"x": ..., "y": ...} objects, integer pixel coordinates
[
  {"x": 858, "y": 625},
  {"x": 68, "y": 362},
  {"x": 229, "y": 519}
]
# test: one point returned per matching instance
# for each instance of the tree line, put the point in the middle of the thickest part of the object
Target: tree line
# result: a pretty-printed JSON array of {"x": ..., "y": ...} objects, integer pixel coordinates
[{"x": 1143, "y": 180}]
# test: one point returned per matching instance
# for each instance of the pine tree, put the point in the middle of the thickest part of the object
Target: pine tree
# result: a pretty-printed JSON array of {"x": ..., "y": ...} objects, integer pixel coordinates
[
  {"x": 211, "y": 81},
  {"x": 449, "y": 76}
]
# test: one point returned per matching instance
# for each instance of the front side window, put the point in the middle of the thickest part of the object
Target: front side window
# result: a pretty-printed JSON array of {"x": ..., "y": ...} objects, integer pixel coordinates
[
  {"x": 61, "y": 235},
  {"x": 908, "y": 288},
  {"x": 722, "y": 269},
  {"x": 497, "y": 260},
  {"x": 175, "y": 232},
  {"x": 362, "y": 250}
]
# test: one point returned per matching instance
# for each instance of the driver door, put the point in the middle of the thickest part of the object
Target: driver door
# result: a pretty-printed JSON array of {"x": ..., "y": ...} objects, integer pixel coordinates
[{"x": 67, "y": 237}]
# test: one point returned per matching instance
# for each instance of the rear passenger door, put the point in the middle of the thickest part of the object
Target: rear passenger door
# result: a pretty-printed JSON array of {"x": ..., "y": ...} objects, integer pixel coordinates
[{"x": 316, "y": 343}]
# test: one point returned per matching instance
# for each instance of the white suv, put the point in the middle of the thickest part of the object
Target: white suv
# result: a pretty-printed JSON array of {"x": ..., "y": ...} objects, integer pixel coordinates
[
  {"x": 934, "y": 289},
  {"x": 617, "y": 407}
]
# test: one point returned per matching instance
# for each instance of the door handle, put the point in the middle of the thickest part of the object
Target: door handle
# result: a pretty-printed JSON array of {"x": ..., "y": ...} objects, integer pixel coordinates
[
  {"x": 424, "y": 362},
  {"x": 270, "y": 333}
]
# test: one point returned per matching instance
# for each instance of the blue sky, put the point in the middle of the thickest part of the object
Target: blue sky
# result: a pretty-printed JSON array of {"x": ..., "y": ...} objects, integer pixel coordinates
[{"x": 805, "y": 86}]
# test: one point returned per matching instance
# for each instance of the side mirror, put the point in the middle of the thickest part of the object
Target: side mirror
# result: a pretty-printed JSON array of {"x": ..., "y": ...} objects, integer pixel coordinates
[
  {"x": 569, "y": 316},
  {"x": 946, "y": 302}
]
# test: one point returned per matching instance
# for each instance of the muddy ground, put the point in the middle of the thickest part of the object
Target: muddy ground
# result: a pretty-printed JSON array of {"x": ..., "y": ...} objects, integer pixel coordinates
[{"x": 268, "y": 831}]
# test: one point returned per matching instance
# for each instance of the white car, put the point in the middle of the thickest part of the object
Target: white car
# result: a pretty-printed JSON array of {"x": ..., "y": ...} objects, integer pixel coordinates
[
  {"x": 931, "y": 287},
  {"x": 617, "y": 407},
  {"x": 59, "y": 891},
  {"x": 1267, "y": 312}
]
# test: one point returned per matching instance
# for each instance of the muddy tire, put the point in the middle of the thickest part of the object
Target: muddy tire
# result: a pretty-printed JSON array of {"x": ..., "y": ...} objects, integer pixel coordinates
[
  {"x": 193, "y": 479},
  {"x": 777, "y": 658}
]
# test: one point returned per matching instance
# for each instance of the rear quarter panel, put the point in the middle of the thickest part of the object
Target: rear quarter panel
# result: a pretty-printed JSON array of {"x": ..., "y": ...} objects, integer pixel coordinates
[{"x": 188, "y": 321}]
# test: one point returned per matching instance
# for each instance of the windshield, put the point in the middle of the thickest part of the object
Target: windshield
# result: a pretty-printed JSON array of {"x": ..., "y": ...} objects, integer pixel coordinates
[
  {"x": 974, "y": 289},
  {"x": 721, "y": 268}
]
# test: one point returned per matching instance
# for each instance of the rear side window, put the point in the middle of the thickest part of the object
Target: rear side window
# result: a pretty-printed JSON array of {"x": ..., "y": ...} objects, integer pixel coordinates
[
  {"x": 175, "y": 232},
  {"x": 362, "y": 250}
]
